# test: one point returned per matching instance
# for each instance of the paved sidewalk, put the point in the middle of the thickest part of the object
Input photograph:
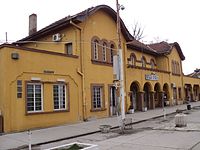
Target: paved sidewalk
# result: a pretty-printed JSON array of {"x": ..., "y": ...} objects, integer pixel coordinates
[{"x": 15, "y": 140}]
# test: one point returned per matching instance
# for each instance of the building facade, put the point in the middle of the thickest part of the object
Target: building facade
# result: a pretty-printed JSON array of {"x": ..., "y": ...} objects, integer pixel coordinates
[{"x": 63, "y": 73}]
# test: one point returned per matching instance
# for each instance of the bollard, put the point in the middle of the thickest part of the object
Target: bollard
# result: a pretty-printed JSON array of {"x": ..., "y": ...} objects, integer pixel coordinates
[
  {"x": 29, "y": 139},
  {"x": 180, "y": 120}
]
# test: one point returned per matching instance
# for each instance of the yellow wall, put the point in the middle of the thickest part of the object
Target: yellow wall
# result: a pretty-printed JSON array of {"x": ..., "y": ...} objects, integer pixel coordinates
[
  {"x": 104, "y": 27},
  {"x": 31, "y": 64},
  {"x": 68, "y": 35}
]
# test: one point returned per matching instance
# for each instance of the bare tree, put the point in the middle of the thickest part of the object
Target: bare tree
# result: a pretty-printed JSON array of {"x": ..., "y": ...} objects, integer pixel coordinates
[{"x": 138, "y": 31}]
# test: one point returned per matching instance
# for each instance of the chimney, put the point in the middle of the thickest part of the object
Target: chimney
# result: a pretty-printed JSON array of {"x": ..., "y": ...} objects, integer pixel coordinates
[{"x": 32, "y": 24}]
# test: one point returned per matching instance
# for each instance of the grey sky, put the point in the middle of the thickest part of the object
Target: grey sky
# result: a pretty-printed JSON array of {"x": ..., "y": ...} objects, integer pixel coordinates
[{"x": 172, "y": 20}]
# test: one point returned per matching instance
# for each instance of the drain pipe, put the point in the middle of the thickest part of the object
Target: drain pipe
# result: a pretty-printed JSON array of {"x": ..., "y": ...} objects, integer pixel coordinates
[
  {"x": 83, "y": 93},
  {"x": 81, "y": 72}
]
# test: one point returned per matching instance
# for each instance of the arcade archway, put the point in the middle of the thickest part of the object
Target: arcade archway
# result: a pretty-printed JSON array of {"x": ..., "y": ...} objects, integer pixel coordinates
[{"x": 134, "y": 99}]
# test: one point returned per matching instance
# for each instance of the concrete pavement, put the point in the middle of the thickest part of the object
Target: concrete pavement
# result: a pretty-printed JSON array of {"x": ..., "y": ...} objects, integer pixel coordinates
[{"x": 16, "y": 140}]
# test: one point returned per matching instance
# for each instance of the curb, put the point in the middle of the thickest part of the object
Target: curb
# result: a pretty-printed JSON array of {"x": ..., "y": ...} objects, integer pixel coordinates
[{"x": 80, "y": 135}]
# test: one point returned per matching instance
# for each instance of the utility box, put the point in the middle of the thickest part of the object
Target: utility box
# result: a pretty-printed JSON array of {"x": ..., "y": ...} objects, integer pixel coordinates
[{"x": 181, "y": 120}]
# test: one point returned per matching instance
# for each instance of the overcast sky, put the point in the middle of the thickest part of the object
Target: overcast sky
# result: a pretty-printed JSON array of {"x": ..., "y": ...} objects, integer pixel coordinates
[{"x": 172, "y": 20}]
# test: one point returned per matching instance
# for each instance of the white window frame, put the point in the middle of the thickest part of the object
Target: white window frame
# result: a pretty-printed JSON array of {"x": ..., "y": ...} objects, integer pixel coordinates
[
  {"x": 34, "y": 106},
  {"x": 59, "y": 96},
  {"x": 95, "y": 50},
  {"x": 95, "y": 98},
  {"x": 111, "y": 53},
  {"x": 104, "y": 51}
]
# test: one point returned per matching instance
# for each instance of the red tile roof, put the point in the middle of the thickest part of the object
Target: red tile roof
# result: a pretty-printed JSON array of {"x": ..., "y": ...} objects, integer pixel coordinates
[
  {"x": 195, "y": 74},
  {"x": 161, "y": 47},
  {"x": 166, "y": 48},
  {"x": 153, "y": 49}
]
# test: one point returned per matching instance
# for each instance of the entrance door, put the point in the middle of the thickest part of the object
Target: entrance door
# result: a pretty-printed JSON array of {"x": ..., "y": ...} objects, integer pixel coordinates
[
  {"x": 134, "y": 98},
  {"x": 113, "y": 101}
]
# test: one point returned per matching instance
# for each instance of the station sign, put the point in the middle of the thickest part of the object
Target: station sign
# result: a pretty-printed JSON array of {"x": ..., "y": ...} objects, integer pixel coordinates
[{"x": 152, "y": 77}]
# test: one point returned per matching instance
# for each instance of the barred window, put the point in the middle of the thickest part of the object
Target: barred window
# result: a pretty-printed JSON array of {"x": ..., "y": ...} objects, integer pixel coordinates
[
  {"x": 97, "y": 97},
  {"x": 34, "y": 97},
  {"x": 19, "y": 88},
  {"x": 104, "y": 51},
  {"x": 96, "y": 44},
  {"x": 111, "y": 53},
  {"x": 59, "y": 95}
]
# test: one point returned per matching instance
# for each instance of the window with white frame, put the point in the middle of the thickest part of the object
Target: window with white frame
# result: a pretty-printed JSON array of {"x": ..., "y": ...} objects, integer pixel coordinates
[
  {"x": 59, "y": 96},
  {"x": 104, "y": 51},
  {"x": 97, "y": 97},
  {"x": 34, "y": 97},
  {"x": 96, "y": 45},
  {"x": 111, "y": 53}
]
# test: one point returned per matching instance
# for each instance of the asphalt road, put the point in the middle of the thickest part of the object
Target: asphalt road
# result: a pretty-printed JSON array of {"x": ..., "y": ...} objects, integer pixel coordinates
[{"x": 154, "y": 134}]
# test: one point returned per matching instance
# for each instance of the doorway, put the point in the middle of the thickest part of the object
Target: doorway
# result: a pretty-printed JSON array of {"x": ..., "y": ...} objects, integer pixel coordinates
[
  {"x": 134, "y": 102},
  {"x": 113, "y": 101}
]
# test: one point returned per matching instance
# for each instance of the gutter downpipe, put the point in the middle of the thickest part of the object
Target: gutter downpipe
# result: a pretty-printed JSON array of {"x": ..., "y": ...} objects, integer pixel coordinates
[
  {"x": 81, "y": 72},
  {"x": 182, "y": 75}
]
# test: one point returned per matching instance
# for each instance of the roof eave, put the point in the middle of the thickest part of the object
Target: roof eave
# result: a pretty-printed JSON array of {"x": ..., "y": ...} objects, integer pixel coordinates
[
  {"x": 137, "y": 48},
  {"x": 78, "y": 18}
]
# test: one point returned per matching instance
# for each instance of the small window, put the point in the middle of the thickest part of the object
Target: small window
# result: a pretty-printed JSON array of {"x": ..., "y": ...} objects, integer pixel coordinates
[
  {"x": 59, "y": 95},
  {"x": 19, "y": 88},
  {"x": 69, "y": 49}
]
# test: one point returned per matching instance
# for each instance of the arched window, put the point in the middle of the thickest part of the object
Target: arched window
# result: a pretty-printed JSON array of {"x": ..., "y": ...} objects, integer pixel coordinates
[
  {"x": 178, "y": 68},
  {"x": 132, "y": 59},
  {"x": 95, "y": 49},
  {"x": 111, "y": 52},
  {"x": 173, "y": 66},
  {"x": 104, "y": 51},
  {"x": 152, "y": 63},
  {"x": 143, "y": 61}
]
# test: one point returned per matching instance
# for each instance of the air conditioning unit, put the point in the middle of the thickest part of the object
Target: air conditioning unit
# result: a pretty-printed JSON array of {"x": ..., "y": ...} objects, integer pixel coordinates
[{"x": 56, "y": 37}]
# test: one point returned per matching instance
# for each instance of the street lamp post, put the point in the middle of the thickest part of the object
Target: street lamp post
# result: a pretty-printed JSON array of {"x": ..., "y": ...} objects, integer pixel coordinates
[{"x": 120, "y": 67}]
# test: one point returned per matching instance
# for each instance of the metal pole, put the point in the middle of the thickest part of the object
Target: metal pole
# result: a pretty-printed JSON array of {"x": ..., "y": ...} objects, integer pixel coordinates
[
  {"x": 163, "y": 104},
  {"x": 121, "y": 68},
  {"x": 29, "y": 139},
  {"x": 6, "y": 37}
]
